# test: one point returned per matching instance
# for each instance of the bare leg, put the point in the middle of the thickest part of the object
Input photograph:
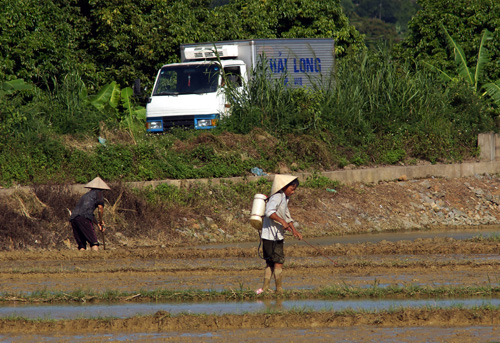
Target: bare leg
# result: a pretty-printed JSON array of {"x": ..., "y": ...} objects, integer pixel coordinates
[
  {"x": 278, "y": 269},
  {"x": 268, "y": 273}
]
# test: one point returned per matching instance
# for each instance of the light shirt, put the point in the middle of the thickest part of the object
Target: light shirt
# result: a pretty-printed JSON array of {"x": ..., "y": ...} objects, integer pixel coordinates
[{"x": 271, "y": 230}]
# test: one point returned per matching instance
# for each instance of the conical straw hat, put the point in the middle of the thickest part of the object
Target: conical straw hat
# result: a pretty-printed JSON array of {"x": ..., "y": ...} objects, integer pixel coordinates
[
  {"x": 97, "y": 183},
  {"x": 280, "y": 181}
]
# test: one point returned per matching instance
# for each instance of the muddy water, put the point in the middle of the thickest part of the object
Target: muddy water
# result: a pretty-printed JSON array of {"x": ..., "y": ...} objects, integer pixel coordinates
[
  {"x": 121, "y": 270},
  {"x": 126, "y": 310},
  {"x": 359, "y": 334},
  {"x": 458, "y": 234}
]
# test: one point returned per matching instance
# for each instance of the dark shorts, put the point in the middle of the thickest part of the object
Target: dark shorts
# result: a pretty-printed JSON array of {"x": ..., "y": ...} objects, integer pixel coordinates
[
  {"x": 273, "y": 251},
  {"x": 83, "y": 231}
]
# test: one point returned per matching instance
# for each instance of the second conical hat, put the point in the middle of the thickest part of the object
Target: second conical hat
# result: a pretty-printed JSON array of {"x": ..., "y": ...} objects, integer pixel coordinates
[
  {"x": 280, "y": 181},
  {"x": 97, "y": 183}
]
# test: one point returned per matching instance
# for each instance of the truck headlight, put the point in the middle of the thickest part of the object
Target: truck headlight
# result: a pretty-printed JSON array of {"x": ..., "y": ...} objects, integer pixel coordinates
[
  {"x": 205, "y": 122},
  {"x": 154, "y": 125}
]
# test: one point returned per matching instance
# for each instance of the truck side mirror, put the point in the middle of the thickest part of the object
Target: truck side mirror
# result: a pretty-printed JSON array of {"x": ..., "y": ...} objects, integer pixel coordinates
[{"x": 137, "y": 87}]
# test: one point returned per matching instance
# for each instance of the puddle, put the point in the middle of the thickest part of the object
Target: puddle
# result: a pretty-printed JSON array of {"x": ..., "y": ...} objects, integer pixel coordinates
[
  {"x": 408, "y": 236},
  {"x": 104, "y": 310},
  {"x": 458, "y": 234}
]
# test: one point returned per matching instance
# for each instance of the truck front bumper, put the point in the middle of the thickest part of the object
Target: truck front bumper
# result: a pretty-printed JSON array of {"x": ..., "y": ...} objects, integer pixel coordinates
[{"x": 199, "y": 122}]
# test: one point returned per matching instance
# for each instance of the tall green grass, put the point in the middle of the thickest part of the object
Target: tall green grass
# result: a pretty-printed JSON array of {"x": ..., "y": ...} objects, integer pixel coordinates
[{"x": 375, "y": 110}]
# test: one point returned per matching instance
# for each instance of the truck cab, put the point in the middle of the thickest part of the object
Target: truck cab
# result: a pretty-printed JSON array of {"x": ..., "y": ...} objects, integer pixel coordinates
[{"x": 192, "y": 94}]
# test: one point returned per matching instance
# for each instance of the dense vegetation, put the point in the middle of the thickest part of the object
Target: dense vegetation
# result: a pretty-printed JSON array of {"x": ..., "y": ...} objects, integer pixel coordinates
[
  {"x": 381, "y": 107},
  {"x": 466, "y": 21},
  {"x": 124, "y": 40}
]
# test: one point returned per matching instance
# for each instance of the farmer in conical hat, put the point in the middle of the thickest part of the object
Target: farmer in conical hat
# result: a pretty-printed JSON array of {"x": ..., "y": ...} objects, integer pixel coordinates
[
  {"x": 82, "y": 217},
  {"x": 276, "y": 221}
]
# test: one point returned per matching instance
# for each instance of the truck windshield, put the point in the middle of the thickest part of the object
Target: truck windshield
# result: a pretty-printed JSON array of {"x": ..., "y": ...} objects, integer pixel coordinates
[{"x": 183, "y": 79}]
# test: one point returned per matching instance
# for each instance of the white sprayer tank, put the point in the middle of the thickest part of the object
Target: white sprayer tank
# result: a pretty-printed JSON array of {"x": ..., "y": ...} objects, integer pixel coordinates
[{"x": 258, "y": 210}]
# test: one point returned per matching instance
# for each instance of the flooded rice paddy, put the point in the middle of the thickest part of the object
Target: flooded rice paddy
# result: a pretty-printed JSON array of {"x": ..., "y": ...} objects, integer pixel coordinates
[
  {"x": 61, "y": 295},
  {"x": 125, "y": 310}
]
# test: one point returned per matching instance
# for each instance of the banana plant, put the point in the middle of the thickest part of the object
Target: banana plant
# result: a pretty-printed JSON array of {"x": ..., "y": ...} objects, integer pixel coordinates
[
  {"x": 108, "y": 97},
  {"x": 15, "y": 118},
  {"x": 473, "y": 77},
  {"x": 9, "y": 87},
  {"x": 134, "y": 114},
  {"x": 493, "y": 90},
  {"x": 111, "y": 96}
]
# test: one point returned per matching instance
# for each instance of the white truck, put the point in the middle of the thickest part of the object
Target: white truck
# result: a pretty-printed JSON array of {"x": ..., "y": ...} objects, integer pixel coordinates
[{"x": 191, "y": 93}]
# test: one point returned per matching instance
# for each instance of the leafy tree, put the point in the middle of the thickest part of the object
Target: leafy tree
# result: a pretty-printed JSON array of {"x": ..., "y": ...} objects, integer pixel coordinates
[
  {"x": 131, "y": 39},
  {"x": 381, "y": 9},
  {"x": 122, "y": 40},
  {"x": 374, "y": 29},
  {"x": 242, "y": 19},
  {"x": 466, "y": 21},
  {"x": 40, "y": 39},
  {"x": 348, "y": 7}
]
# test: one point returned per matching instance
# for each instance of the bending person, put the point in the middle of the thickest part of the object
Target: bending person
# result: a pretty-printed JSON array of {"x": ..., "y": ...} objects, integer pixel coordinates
[{"x": 82, "y": 217}]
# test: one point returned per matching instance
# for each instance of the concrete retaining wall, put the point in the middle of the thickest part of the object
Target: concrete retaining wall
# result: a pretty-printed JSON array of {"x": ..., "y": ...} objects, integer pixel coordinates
[{"x": 367, "y": 175}]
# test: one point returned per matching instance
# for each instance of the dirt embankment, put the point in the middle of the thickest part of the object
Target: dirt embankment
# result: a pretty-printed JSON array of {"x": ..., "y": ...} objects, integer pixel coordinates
[
  {"x": 413, "y": 204},
  {"x": 364, "y": 208},
  {"x": 39, "y": 220}
]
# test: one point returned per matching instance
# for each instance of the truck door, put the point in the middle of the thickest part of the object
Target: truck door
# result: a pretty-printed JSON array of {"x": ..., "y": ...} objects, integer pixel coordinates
[
  {"x": 233, "y": 76},
  {"x": 231, "y": 81}
]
